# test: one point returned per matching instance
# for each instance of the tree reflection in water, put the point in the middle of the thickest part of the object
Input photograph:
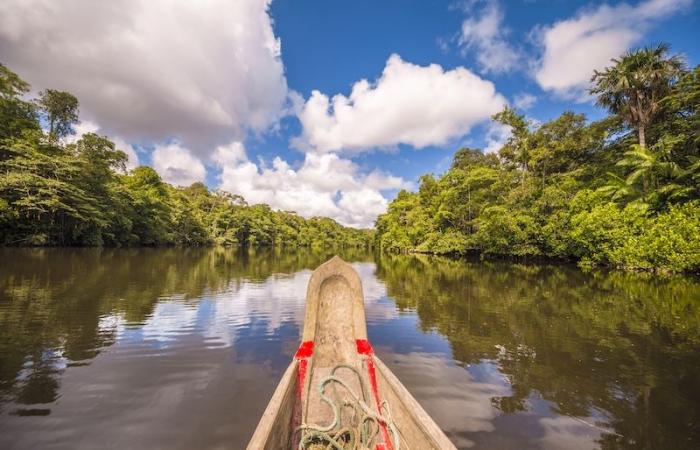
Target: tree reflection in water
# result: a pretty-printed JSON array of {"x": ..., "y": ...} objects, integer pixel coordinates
[
  {"x": 502, "y": 354},
  {"x": 622, "y": 345}
]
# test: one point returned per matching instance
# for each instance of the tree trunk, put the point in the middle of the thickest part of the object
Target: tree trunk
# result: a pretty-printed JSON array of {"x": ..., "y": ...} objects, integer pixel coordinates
[{"x": 52, "y": 133}]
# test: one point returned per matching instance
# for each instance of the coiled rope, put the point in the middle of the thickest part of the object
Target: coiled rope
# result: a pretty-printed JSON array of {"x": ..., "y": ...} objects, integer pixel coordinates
[{"x": 358, "y": 429}]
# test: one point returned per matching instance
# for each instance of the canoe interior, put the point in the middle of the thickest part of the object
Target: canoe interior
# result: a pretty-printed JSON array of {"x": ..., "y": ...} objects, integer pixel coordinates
[{"x": 416, "y": 427}]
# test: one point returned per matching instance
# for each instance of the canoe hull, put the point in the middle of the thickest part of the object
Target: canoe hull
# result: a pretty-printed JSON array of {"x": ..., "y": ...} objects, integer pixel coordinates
[
  {"x": 276, "y": 427},
  {"x": 413, "y": 423}
]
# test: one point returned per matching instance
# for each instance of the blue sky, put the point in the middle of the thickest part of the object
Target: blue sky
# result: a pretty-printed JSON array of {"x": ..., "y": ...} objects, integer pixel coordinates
[
  {"x": 330, "y": 45},
  {"x": 266, "y": 99}
]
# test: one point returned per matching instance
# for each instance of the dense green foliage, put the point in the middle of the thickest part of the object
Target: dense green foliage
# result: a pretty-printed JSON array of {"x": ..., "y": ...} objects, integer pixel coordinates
[
  {"x": 53, "y": 193},
  {"x": 622, "y": 191}
]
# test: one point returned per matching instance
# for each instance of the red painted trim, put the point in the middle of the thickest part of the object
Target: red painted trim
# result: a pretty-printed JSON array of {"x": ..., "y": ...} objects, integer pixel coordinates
[
  {"x": 375, "y": 392},
  {"x": 365, "y": 348},
  {"x": 301, "y": 376},
  {"x": 306, "y": 349}
]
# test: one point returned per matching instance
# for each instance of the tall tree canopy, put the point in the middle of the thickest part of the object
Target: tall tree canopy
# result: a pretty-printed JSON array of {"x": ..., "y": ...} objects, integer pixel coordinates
[
  {"x": 634, "y": 85},
  {"x": 61, "y": 111},
  {"x": 574, "y": 189},
  {"x": 16, "y": 113}
]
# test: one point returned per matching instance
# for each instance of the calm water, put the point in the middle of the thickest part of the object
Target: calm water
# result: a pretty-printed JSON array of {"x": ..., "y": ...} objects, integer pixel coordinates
[{"x": 171, "y": 348}]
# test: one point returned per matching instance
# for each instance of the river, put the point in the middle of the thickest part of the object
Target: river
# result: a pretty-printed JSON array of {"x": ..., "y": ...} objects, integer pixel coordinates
[{"x": 182, "y": 348}]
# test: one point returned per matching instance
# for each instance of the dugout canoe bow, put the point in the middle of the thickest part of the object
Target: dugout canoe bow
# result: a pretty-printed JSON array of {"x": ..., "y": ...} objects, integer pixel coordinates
[{"x": 336, "y": 388}]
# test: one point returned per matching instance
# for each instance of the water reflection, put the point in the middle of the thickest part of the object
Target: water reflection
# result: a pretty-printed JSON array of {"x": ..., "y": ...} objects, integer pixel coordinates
[
  {"x": 94, "y": 342},
  {"x": 605, "y": 360},
  {"x": 182, "y": 348}
]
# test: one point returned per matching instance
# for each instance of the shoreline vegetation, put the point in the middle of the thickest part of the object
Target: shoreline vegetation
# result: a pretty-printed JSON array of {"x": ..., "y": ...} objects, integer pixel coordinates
[
  {"x": 55, "y": 193},
  {"x": 622, "y": 191}
]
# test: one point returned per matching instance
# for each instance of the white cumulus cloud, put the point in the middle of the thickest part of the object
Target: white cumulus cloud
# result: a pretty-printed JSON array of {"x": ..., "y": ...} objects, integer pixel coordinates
[
  {"x": 408, "y": 104},
  {"x": 177, "y": 165},
  {"x": 324, "y": 185},
  {"x": 485, "y": 34},
  {"x": 575, "y": 47},
  {"x": 202, "y": 72}
]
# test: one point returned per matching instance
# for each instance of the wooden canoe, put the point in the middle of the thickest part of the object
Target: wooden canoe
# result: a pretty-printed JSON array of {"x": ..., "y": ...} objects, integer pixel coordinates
[{"x": 335, "y": 337}]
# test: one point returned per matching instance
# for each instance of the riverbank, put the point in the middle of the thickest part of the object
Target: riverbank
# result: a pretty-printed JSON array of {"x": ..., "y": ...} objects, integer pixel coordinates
[{"x": 630, "y": 239}]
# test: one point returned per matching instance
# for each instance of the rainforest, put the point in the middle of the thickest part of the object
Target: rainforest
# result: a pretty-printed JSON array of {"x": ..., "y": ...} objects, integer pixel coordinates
[
  {"x": 621, "y": 191},
  {"x": 55, "y": 193}
]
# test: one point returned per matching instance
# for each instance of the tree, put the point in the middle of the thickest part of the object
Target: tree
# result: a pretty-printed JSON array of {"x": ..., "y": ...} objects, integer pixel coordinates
[
  {"x": 100, "y": 156},
  {"x": 468, "y": 157},
  {"x": 42, "y": 189},
  {"x": 620, "y": 189},
  {"x": 61, "y": 111},
  {"x": 648, "y": 166},
  {"x": 54, "y": 193},
  {"x": 677, "y": 135},
  {"x": 561, "y": 145},
  {"x": 150, "y": 209},
  {"x": 16, "y": 114},
  {"x": 547, "y": 192},
  {"x": 635, "y": 84},
  {"x": 517, "y": 148},
  {"x": 11, "y": 85}
]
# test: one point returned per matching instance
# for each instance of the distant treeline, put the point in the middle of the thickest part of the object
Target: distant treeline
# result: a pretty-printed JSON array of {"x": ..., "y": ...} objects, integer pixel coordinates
[
  {"x": 622, "y": 191},
  {"x": 80, "y": 194}
]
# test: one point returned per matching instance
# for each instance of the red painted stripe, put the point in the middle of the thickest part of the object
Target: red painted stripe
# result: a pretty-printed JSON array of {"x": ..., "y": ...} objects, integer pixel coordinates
[
  {"x": 305, "y": 351},
  {"x": 301, "y": 376},
  {"x": 375, "y": 391},
  {"x": 365, "y": 348}
]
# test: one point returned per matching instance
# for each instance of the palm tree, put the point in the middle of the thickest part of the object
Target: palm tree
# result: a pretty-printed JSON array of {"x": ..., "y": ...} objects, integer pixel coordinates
[
  {"x": 687, "y": 184},
  {"x": 633, "y": 86},
  {"x": 619, "y": 189},
  {"x": 649, "y": 166}
]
